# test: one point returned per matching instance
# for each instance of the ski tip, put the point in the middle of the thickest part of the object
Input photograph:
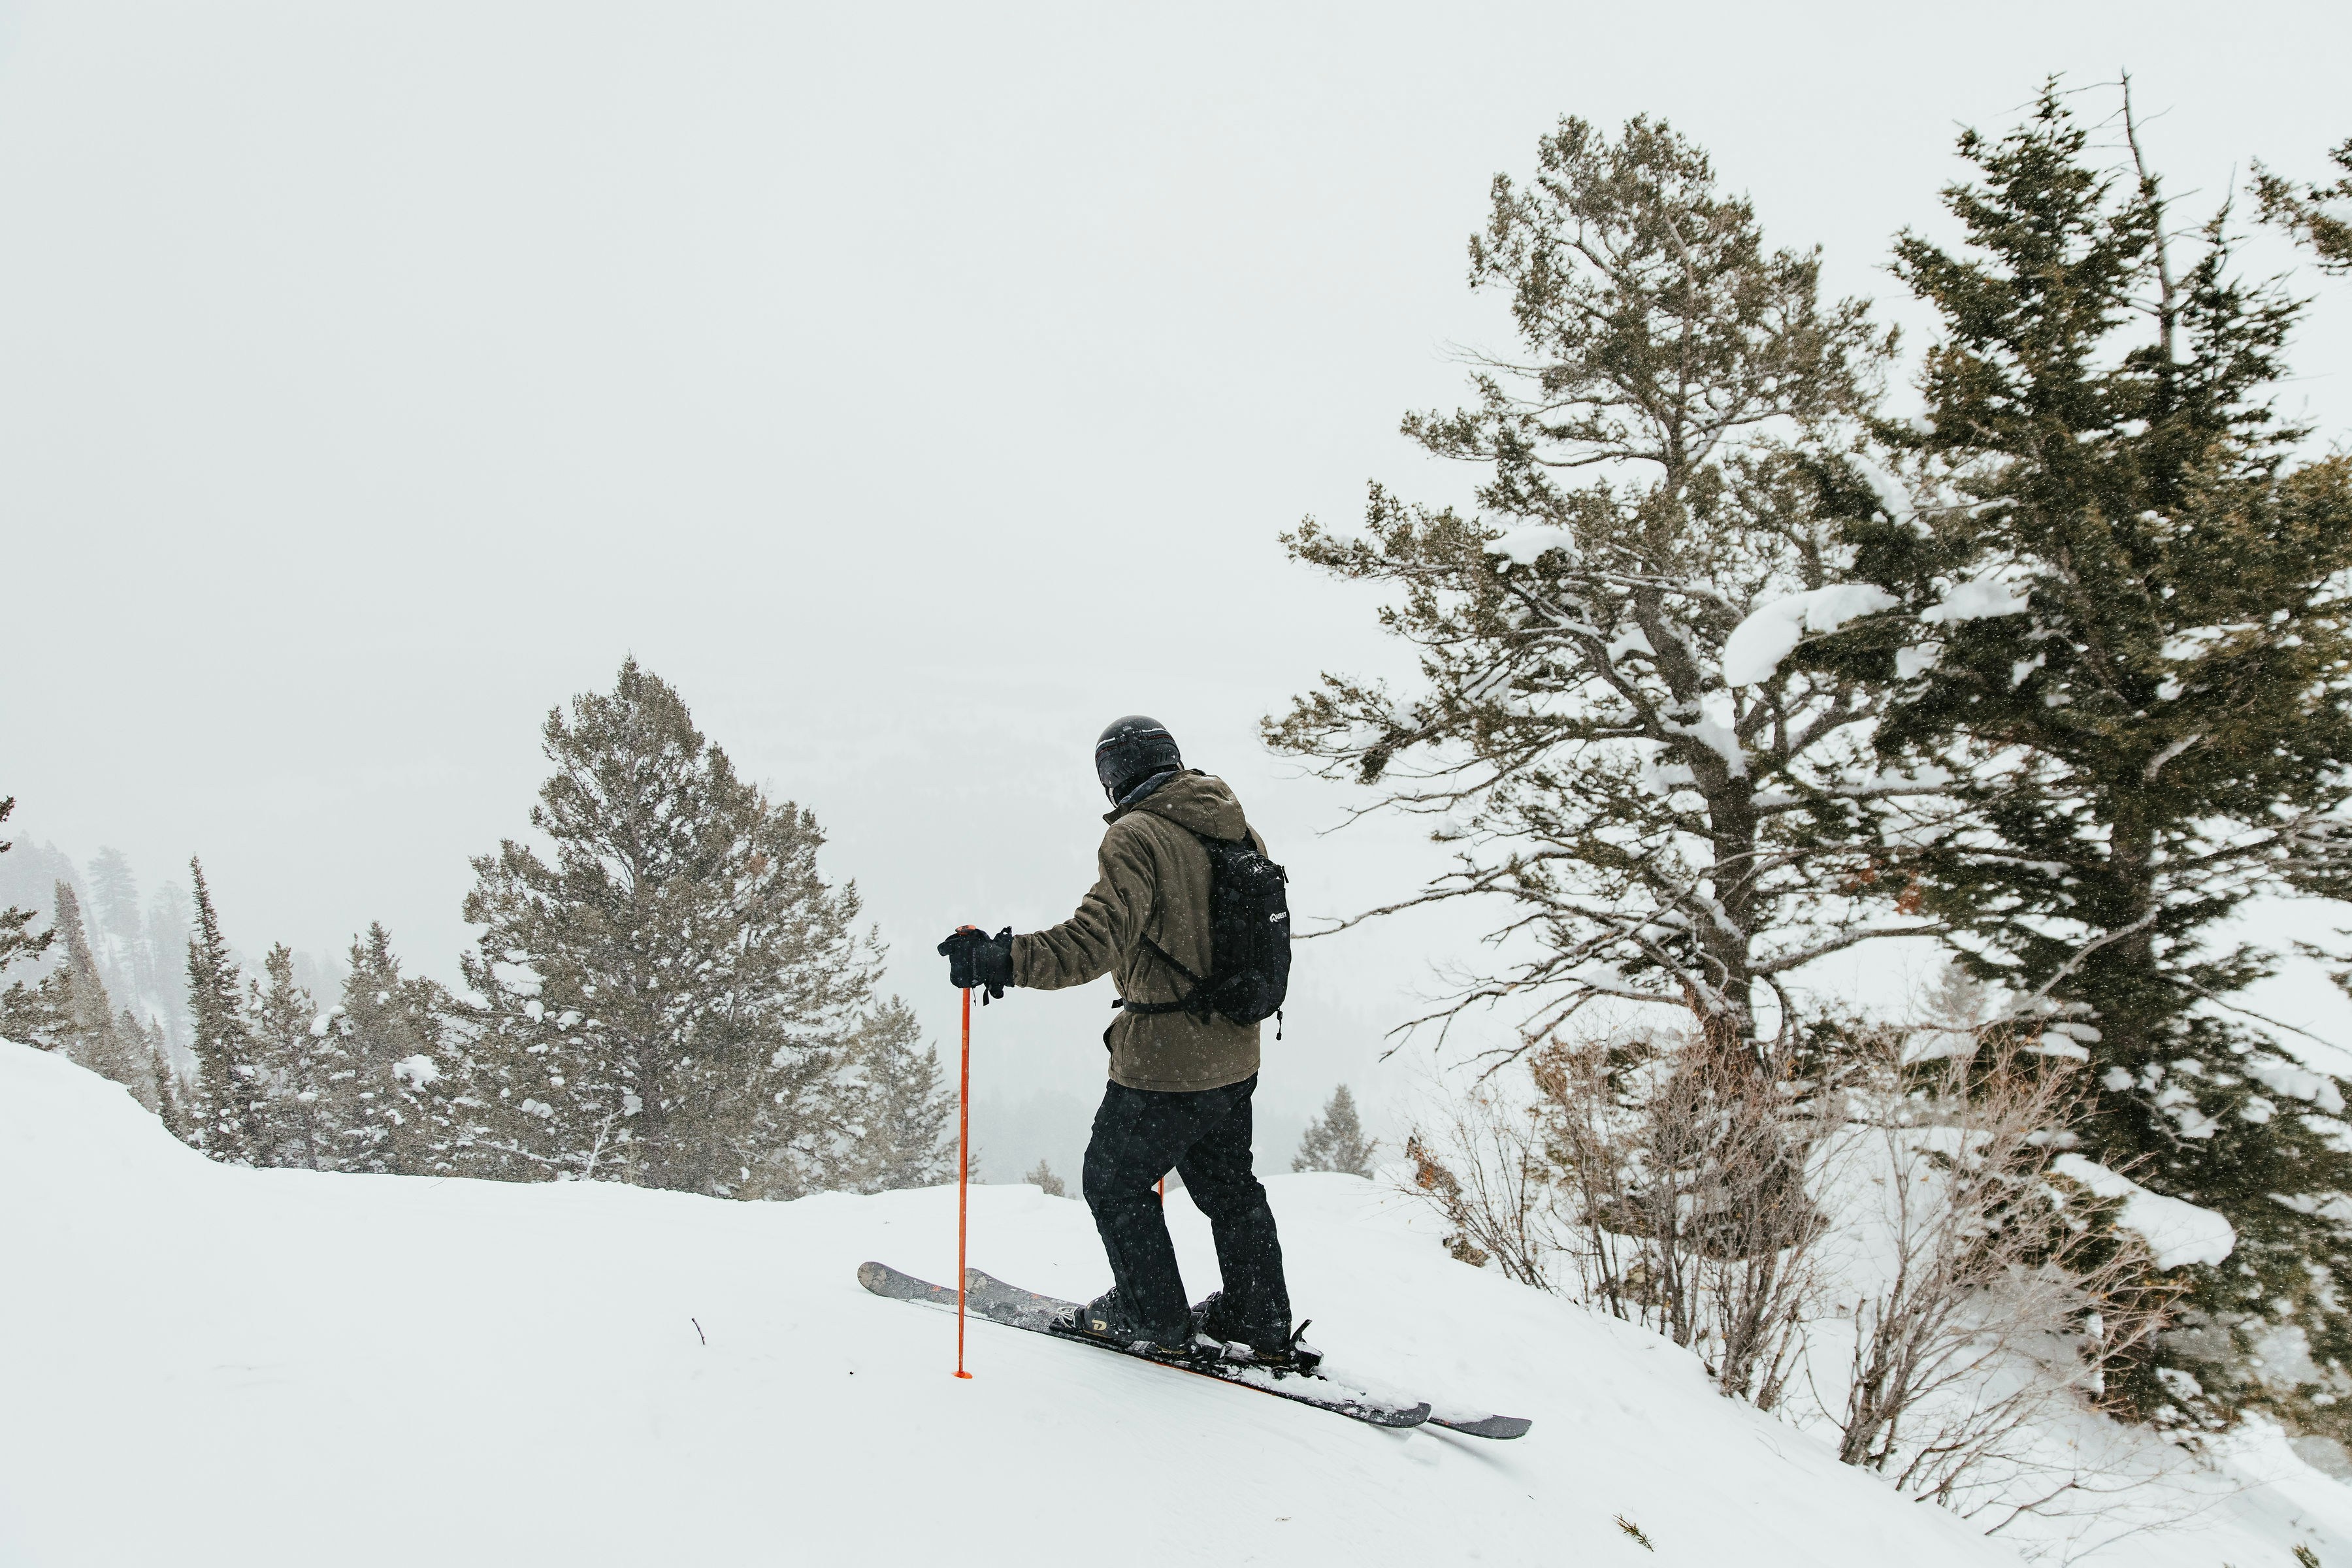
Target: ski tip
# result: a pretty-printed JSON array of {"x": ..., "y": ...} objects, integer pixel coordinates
[
  {"x": 886, "y": 1282},
  {"x": 1500, "y": 1428}
]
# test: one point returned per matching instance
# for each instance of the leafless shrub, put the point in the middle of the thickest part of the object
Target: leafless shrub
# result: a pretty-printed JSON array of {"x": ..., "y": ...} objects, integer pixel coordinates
[
  {"x": 1484, "y": 1171},
  {"x": 1991, "y": 1292},
  {"x": 1683, "y": 1178},
  {"x": 1728, "y": 1207},
  {"x": 1669, "y": 1182}
]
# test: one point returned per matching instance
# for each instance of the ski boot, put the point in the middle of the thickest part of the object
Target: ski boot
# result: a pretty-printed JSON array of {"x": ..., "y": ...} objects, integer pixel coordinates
[
  {"x": 1107, "y": 1318},
  {"x": 1279, "y": 1350}
]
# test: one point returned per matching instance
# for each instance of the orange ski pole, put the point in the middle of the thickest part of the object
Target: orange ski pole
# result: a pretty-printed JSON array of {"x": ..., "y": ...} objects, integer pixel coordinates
[{"x": 963, "y": 1170}]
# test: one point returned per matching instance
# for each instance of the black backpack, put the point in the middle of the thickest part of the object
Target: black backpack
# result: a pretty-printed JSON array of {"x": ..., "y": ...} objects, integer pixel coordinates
[{"x": 1249, "y": 940}]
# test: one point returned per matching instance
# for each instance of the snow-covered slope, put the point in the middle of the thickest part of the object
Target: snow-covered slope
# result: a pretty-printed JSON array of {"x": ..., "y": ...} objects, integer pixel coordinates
[{"x": 204, "y": 1364}]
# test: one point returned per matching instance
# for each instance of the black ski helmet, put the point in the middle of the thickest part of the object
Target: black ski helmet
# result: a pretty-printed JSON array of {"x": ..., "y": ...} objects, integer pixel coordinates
[{"x": 1130, "y": 750}]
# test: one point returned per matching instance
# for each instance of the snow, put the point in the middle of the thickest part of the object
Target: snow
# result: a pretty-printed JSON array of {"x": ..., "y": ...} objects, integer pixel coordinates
[
  {"x": 1976, "y": 599},
  {"x": 461, "y": 1372},
  {"x": 1716, "y": 736},
  {"x": 2295, "y": 1083},
  {"x": 465, "y": 1373},
  {"x": 1756, "y": 646},
  {"x": 1885, "y": 487},
  {"x": 2175, "y": 1231},
  {"x": 417, "y": 1070},
  {"x": 1664, "y": 778},
  {"x": 1629, "y": 638},
  {"x": 1526, "y": 546}
]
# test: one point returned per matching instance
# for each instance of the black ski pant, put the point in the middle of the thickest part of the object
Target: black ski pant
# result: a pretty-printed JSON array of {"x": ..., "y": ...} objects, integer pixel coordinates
[{"x": 1204, "y": 1136}]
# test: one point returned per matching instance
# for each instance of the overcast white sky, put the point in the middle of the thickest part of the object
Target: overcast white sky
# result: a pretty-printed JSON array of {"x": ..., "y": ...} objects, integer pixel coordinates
[{"x": 917, "y": 387}]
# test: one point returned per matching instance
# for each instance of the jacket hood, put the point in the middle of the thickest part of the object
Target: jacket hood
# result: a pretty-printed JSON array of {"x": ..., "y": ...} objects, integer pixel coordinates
[{"x": 1193, "y": 800}]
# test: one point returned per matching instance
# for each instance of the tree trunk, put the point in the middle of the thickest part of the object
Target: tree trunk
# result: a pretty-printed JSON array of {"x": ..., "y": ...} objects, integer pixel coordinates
[{"x": 1728, "y": 1023}]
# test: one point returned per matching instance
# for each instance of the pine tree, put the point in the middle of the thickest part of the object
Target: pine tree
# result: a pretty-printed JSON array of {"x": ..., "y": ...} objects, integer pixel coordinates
[
  {"x": 228, "y": 1098},
  {"x": 88, "y": 1030},
  {"x": 1664, "y": 822},
  {"x": 171, "y": 1103},
  {"x": 405, "y": 1070},
  {"x": 139, "y": 962},
  {"x": 2319, "y": 216},
  {"x": 163, "y": 942},
  {"x": 30, "y": 1015},
  {"x": 669, "y": 1002},
  {"x": 143, "y": 1042},
  {"x": 2123, "y": 629},
  {"x": 24, "y": 1016},
  {"x": 1045, "y": 1181},
  {"x": 1335, "y": 1140},
  {"x": 301, "y": 1053},
  {"x": 905, "y": 1111},
  {"x": 114, "y": 896}
]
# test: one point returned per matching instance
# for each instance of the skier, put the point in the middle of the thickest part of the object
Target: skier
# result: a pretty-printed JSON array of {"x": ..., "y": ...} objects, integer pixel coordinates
[{"x": 1181, "y": 1069}]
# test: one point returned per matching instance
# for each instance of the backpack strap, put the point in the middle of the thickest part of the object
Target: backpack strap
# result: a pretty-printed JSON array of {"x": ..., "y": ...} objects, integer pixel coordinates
[{"x": 1197, "y": 1004}]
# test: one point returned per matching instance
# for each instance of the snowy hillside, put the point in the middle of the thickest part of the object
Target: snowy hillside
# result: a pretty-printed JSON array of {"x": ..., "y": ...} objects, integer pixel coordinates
[{"x": 212, "y": 1365}]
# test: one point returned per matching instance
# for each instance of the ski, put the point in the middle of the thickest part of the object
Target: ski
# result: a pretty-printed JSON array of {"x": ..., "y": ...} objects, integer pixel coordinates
[
  {"x": 1502, "y": 1428},
  {"x": 998, "y": 1303},
  {"x": 1015, "y": 1308},
  {"x": 1028, "y": 1310}
]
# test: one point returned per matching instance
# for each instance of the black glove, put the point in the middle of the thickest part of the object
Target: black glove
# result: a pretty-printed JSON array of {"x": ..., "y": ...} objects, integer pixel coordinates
[{"x": 976, "y": 959}]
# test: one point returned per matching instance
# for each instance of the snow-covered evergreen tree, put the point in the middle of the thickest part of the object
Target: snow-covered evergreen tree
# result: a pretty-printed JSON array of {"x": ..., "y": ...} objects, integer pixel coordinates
[
  {"x": 2319, "y": 215},
  {"x": 227, "y": 1097},
  {"x": 1662, "y": 454},
  {"x": 905, "y": 1109},
  {"x": 304, "y": 1059},
  {"x": 157, "y": 1083},
  {"x": 88, "y": 1030},
  {"x": 162, "y": 950},
  {"x": 22, "y": 1014},
  {"x": 1335, "y": 1141},
  {"x": 68, "y": 1011},
  {"x": 406, "y": 1070},
  {"x": 139, "y": 949},
  {"x": 171, "y": 1096},
  {"x": 114, "y": 898},
  {"x": 2122, "y": 628},
  {"x": 1045, "y": 1181},
  {"x": 669, "y": 998}
]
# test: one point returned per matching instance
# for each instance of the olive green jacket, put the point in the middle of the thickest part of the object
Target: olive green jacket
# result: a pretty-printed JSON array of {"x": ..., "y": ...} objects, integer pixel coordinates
[{"x": 1154, "y": 883}]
